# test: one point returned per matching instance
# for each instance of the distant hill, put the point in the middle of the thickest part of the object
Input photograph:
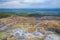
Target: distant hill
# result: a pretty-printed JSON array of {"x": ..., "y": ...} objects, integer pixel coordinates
[{"x": 29, "y": 10}]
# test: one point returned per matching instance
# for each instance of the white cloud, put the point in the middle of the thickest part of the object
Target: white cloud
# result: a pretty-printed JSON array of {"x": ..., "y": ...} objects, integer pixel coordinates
[
  {"x": 13, "y": 4},
  {"x": 31, "y": 4},
  {"x": 35, "y": 1}
]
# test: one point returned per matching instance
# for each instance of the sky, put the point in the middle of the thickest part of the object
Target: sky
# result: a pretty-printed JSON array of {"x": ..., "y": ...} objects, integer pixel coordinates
[{"x": 29, "y": 3}]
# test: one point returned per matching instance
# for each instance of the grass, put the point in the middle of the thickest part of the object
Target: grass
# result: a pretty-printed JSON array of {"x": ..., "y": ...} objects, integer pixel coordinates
[
  {"x": 34, "y": 39},
  {"x": 39, "y": 39},
  {"x": 3, "y": 35}
]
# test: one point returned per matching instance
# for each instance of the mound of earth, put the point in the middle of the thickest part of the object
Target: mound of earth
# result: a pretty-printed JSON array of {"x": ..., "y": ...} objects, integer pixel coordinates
[{"x": 50, "y": 25}]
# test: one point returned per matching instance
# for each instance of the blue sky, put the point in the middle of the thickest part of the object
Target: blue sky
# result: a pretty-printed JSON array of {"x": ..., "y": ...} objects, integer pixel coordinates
[{"x": 29, "y": 3}]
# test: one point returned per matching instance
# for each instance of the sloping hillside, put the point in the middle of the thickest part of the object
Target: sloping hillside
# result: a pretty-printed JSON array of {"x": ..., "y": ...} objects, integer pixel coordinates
[
  {"x": 43, "y": 23},
  {"x": 30, "y": 26}
]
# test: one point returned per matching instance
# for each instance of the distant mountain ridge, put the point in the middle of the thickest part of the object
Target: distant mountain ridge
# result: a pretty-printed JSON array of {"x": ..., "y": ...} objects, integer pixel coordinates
[
  {"x": 32, "y": 12},
  {"x": 29, "y": 10}
]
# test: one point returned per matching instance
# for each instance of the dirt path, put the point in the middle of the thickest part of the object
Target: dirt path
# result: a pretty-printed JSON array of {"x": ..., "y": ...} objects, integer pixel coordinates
[{"x": 6, "y": 26}]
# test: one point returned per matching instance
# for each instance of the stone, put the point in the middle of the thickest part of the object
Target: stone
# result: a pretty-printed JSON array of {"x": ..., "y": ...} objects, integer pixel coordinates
[{"x": 51, "y": 37}]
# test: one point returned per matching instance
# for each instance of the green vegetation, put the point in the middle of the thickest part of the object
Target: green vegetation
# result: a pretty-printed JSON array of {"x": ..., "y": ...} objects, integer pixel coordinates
[
  {"x": 39, "y": 39},
  {"x": 6, "y": 14},
  {"x": 27, "y": 14},
  {"x": 3, "y": 35}
]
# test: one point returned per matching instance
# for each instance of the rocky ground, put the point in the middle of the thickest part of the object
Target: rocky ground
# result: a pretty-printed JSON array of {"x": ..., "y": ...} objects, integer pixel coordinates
[{"x": 29, "y": 28}]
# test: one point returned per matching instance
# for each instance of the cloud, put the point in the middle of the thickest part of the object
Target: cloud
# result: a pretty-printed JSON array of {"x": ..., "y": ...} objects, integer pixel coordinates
[
  {"x": 13, "y": 4},
  {"x": 35, "y": 1},
  {"x": 30, "y": 4}
]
